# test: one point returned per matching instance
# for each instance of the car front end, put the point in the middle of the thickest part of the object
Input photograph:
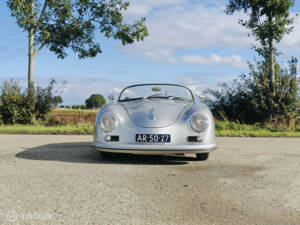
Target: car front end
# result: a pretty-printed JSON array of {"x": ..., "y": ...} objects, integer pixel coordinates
[{"x": 192, "y": 131}]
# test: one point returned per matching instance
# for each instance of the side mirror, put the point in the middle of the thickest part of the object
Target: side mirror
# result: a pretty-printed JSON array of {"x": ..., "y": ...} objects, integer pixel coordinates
[{"x": 111, "y": 97}]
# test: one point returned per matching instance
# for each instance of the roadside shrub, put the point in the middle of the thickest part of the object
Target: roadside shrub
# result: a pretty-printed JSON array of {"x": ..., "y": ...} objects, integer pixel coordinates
[
  {"x": 1, "y": 119},
  {"x": 95, "y": 101},
  {"x": 44, "y": 100},
  {"x": 249, "y": 99},
  {"x": 78, "y": 107},
  {"x": 17, "y": 107},
  {"x": 13, "y": 104},
  {"x": 57, "y": 100}
]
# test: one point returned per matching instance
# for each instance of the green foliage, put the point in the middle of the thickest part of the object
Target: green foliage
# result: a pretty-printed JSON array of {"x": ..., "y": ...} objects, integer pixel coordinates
[
  {"x": 44, "y": 100},
  {"x": 267, "y": 18},
  {"x": 14, "y": 107},
  {"x": 57, "y": 100},
  {"x": 62, "y": 24},
  {"x": 248, "y": 99},
  {"x": 95, "y": 101},
  {"x": 17, "y": 107},
  {"x": 79, "y": 107},
  {"x": 269, "y": 92},
  {"x": 268, "y": 21}
]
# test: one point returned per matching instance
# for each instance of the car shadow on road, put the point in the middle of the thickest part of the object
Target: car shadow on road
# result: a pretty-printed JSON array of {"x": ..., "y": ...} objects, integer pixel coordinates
[{"x": 82, "y": 152}]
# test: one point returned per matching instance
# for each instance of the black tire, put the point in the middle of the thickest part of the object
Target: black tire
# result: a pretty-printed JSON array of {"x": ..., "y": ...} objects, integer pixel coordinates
[
  {"x": 202, "y": 156},
  {"x": 105, "y": 155}
]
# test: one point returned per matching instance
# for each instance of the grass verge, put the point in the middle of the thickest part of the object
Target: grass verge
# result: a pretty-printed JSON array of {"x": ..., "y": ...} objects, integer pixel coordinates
[
  {"x": 231, "y": 129},
  {"x": 257, "y": 133},
  {"x": 223, "y": 129},
  {"x": 84, "y": 129}
]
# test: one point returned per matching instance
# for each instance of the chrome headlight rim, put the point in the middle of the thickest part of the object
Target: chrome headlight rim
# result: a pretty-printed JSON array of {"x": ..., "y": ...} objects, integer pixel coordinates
[
  {"x": 108, "y": 122},
  {"x": 199, "y": 123}
]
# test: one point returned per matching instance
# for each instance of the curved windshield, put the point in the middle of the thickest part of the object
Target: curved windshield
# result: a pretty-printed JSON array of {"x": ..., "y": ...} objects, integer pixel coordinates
[{"x": 152, "y": 91}]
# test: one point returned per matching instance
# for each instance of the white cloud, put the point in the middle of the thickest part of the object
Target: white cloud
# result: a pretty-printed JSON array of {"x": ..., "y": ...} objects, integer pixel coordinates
[
  {"x": 292, "y": 41},
  {"x": 180, "y": 26},
  {"x": 143, "y": 7},
  {"x": 214, "y": 59},
  {"x": 184, "y": 27},
  {"x": 194, "y": 84}
]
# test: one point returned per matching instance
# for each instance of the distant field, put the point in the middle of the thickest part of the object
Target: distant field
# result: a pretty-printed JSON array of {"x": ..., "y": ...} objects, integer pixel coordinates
[
  {"x": 72, "y": 117},
  {"x": 75, "y": 110}
]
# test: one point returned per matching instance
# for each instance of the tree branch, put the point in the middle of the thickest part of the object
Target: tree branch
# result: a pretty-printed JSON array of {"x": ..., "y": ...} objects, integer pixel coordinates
[
  {"x": 42, "y": 12},
  {"x": 39, "y": 49}
]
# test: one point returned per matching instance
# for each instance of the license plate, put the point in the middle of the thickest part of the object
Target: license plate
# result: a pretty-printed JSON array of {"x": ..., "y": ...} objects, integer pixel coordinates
[{"x": 162, "y": 138}]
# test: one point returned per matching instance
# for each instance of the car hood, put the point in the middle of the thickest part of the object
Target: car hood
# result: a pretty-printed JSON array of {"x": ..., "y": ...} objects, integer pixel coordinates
[{"x": 155, "y": 112}]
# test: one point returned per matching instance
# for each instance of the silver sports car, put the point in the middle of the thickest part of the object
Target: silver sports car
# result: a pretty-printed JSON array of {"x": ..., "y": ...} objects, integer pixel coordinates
[{"x": 155, "y": 119}]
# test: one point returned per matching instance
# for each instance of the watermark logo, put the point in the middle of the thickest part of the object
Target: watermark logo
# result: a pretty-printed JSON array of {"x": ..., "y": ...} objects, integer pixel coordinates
[{"x": 11, "y": 216}]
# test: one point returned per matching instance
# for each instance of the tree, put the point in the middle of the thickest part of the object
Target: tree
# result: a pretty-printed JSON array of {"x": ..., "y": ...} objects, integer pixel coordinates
[
  {"x": 57, "y": 100},
  {"x": 62, "y": 24},
  {"x": 269, "y": 21},
  {"x": 247, "y": 100},
  {"x": 95, "y": 101}
]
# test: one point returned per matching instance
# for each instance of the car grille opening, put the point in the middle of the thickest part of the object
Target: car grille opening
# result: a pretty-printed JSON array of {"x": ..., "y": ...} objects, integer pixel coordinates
[{"x": 115, "y": 138}]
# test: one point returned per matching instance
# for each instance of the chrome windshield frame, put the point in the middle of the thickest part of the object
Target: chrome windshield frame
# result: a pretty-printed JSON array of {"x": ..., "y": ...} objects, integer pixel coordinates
[{"x": 137, "y": 85}]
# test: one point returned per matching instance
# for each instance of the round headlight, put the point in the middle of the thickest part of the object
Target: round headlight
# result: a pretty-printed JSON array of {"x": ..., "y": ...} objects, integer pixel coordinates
[
  {"x": 108, "y": 123},
  {"x": 199, "y": 123}
]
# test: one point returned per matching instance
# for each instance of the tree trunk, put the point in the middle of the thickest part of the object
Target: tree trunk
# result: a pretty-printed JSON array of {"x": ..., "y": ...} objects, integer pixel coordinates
[
  {"x": 271, "y": 57},
  {"x": 271, "y": 65},
  {"x": 31, "y": 53},
  {"x": 31, "y": 60}
]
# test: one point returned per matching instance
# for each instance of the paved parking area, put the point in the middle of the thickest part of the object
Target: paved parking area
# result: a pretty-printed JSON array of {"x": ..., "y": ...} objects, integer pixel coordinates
[{"x": 48, "y": 179}]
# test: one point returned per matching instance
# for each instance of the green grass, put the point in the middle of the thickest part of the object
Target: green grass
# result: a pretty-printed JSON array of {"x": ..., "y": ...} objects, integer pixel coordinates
[
  {"x": 223, "y": 128},
  {"x": 230, "y": 129},
  {"x": 257, "y": 133},
  {"x": 64, "y": 129}
]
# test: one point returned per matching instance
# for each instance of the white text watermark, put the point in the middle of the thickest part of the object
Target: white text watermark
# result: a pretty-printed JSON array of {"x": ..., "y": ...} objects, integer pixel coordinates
[{"x": 13, "y": 216}]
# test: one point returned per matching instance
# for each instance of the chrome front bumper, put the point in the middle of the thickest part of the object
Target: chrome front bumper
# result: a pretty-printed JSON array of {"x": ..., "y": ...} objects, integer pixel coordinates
[{"x": 153, "y": 149}]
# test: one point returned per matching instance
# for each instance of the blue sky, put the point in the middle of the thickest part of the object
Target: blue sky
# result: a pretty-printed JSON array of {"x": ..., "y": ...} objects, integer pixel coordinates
[{"x": 191, "y": 42}]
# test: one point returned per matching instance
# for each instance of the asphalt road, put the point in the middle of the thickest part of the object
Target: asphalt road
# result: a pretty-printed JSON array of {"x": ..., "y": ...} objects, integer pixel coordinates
[{"x": 61, "y": 180}]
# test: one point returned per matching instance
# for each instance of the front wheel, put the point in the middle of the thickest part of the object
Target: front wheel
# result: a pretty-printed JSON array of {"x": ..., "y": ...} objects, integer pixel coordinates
[{"x": 202, "y": 156}]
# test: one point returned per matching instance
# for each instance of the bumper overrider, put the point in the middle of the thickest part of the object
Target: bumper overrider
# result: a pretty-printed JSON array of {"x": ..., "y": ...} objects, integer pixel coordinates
[{"x": 153, "y": 149}]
